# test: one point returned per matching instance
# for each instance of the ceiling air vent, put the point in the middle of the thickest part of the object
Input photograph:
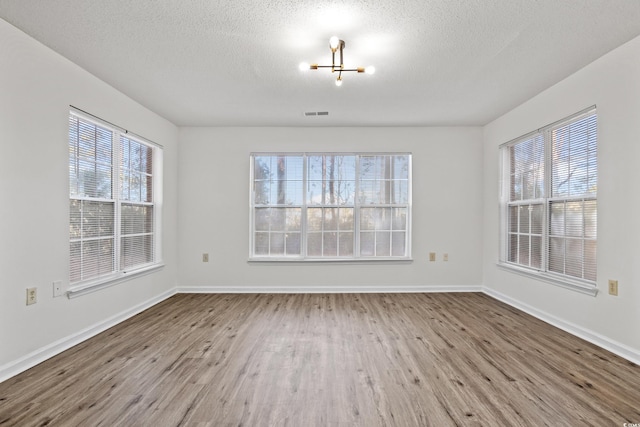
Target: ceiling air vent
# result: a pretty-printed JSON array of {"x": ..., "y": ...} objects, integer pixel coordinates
[{"x": 316, "y": 113}]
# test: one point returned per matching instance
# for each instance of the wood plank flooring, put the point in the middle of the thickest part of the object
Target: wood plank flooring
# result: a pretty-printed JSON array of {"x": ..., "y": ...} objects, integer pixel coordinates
[{"x": 327, "y": 360}]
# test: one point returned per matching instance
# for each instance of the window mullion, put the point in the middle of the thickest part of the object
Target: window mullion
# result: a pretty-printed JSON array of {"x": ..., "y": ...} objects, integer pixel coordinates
[
  {"x": 546, "y": 135},
  {"x": 303, "y": 211},
  {"x": 356, "y": 211},
  {"x": 116, "y": 182}
]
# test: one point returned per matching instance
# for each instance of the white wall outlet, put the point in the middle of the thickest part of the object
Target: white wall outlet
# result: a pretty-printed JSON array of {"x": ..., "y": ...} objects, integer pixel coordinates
[
  {"x": 57, "y": 289},
  {"x": 445, "y": 257},
  {"x": 205, "y": 257},
  {"x": 32, "y": 296},
  {"x": 613, "y": 287},
  {"x": 432, "y": 256}
]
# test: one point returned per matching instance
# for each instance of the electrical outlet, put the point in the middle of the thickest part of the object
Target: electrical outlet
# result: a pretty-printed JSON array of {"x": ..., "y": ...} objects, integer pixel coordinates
[
  {"x": 445, "y": 257},
  {"x": 32, "y": 296},
  {"x": 57, "y": 289},
  {"x": 205, "y": 257},
  {"x": 613, "y": 287},
  {"x": 432, "y": 256}
]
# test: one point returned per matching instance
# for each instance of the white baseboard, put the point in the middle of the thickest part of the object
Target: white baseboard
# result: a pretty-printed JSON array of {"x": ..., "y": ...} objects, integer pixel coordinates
[
  {"x": 586, "y": 334},
  {"x": 40, "y": 355},
  {"x": 323, "y": 289}
]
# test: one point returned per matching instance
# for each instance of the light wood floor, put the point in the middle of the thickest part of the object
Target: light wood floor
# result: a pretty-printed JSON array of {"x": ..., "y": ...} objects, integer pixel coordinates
[{"x": 327, "y": 360}]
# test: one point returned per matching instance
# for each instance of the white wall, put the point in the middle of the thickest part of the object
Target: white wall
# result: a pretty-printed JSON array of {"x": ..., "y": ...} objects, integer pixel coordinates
[
  {"x": 214, "y": 216},
  {"x": 612, "y": 83},
  {"x": 36, "y": 88}
]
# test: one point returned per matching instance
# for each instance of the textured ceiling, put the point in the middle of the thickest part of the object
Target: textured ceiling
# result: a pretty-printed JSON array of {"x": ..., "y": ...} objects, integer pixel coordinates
[{"x": 235, "y": 63}]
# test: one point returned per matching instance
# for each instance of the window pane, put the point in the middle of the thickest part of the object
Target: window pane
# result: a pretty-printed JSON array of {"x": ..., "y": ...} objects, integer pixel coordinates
[
  {"x": 574, "y": 165},
  {"x": 314, "y": 244},
  {"x": 315, "y": 192},
  {"x": 293, "y": 219},
  {"x": 75, "y": 264},
  {"x": 292, "y": 243},
  {"x": 573, "y": 257},
  {"x": 590, "y": 267},
  {"x": 401, "y": 167},
  {"x": 523, "y": 250},
  {"x": 367, "y": 219},
  {"x": 262, "y": 192},
  {"x": 513, "y": 218},
  {"x": 345, "y": 216},
  {"x": 536, "y": 252},
  {"x": 574, "y": 225},
  {"x": 537, "y": 216},
  {"x": 276, "y": 244},
  {"x": 557, "y": 219},
  {"x": 556, "y": 255},
  {"x": 136, "y": 250},
  {"x": 345, "y": 244},
  {"x": 75, "y": 219},
  {"x": 383, "y": 243},
  {"x": 590, "y": 219},
  {"x": 97, "y": 219},
  {"x": 97, "y": 258},
  {"x": 330, "y": 244},
  {"x": 262, "y": 168},
  {"x": 398, "y": 244},
  {"x": 314, "y": 219},
  {"x": 136, "y": 219},
  {"x": 367, "y": 243},
  {"x": 513, "y": 248},
  {"x": 261, "y": 244},
  {"x": 399, "y": 192},
  {"x": 262, "y": 219},
  {"x": 399, "y": 219},
  {"x": 331, "y": 219},
  {"x": 524, "y": 218}
]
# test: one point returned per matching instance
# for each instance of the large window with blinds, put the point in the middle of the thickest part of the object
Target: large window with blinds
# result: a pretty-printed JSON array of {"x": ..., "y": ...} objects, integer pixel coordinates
[
  {"x": 549, "y": 201},
  {"x": 113, "y": 212},
  {"x": 330, "y": 206}
]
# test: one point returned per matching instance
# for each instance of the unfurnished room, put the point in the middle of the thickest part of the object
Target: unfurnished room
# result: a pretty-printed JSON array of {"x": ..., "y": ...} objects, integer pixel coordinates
[{"x": 319, "y": 213}]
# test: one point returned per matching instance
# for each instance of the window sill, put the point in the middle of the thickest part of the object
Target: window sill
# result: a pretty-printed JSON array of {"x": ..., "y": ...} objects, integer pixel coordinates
[
  {"x": 394, "y": 260},
  {"x": 584, "y": 287},
  {"x": 105, "y": 282}
]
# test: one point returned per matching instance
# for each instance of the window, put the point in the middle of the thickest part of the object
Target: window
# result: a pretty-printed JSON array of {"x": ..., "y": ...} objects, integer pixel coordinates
[
  {"x": 330, "y": 206},
  {"x": 113, "y": 215},
  {"x": 549, "y": 202}
]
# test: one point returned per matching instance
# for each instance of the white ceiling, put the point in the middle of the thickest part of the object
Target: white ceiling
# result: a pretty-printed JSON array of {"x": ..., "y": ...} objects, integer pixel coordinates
[{"x": 235, "y": 63}]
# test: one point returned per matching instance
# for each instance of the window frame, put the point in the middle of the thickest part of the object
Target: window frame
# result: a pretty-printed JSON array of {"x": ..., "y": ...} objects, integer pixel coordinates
[
  {"x": 304, "y": 206},
  {"x": 543, "y": 272},
  {"x": 119, "y": 272}
]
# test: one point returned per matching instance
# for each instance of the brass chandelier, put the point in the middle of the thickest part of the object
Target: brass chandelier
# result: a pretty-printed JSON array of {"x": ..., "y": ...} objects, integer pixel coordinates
[{"x": 337, "y": 45}]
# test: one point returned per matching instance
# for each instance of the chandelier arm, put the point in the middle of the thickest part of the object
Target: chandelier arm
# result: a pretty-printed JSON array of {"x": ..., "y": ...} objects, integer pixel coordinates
[{"x": 359, "y": 69}]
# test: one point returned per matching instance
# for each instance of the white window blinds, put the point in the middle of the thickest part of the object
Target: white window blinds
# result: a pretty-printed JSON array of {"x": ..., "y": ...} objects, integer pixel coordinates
[
  {"x": 573, "y": 204},
  {"x": 550, "y": 203},
  {"x": 112, "y": 217}
]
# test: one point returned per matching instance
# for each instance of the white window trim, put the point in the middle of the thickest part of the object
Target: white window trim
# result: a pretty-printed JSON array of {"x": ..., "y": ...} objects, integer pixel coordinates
[
  {"x": 340, "y": 260},
  {"x": 105, "y": 281},
  {"x": 583, "y": 286}
]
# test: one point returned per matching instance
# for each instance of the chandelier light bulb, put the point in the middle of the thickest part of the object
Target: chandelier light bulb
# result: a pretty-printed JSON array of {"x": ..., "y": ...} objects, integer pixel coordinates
[
  {"x": 370, "y": 69},
  {"x": 339, "y": 81},
  {"x": 334, "y": 42},
  {"x": 304, "y": 66}
]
